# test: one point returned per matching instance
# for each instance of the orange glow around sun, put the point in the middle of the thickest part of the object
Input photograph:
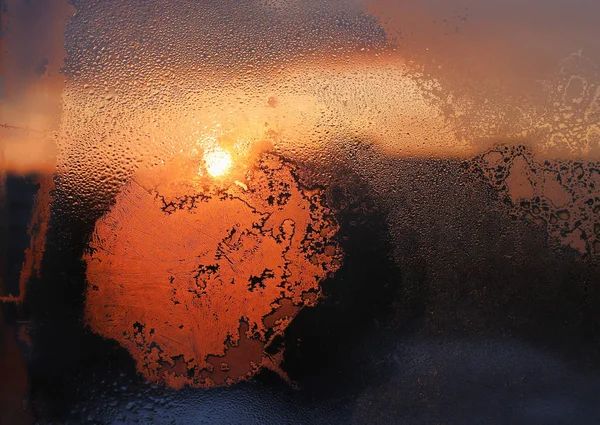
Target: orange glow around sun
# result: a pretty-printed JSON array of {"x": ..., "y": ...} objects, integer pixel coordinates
[{"x": 218, "y": 161}]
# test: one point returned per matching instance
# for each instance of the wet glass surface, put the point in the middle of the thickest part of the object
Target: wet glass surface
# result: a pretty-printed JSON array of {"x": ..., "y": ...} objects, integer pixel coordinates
[{"x": 286, "y": 211}]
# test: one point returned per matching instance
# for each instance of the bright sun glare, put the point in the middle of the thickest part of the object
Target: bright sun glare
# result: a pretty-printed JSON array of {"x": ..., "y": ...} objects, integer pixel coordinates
[{"x": 218, "y": 161}]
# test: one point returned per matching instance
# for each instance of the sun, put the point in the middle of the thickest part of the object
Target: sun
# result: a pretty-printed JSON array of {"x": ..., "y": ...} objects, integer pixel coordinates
[{"x": 218, "y": 161}]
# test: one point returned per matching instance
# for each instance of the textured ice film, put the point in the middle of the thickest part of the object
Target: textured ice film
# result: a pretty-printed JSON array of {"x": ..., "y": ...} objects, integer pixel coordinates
[
  {"x": 213, "y": 146},
  {"x": 316, "y": 80},
  {"x": 197, "y": 284}
]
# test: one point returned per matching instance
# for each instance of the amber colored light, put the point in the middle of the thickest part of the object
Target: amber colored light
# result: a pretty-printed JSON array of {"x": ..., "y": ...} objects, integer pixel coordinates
[{"x": 218, "y": 162}]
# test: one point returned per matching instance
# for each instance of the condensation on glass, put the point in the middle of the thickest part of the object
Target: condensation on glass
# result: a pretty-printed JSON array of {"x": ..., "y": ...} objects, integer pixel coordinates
[{"x": 206, "y": 146}]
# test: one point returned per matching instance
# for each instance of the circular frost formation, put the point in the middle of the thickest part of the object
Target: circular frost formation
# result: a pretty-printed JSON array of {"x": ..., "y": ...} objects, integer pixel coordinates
[{"x": 195, "y": 278}]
